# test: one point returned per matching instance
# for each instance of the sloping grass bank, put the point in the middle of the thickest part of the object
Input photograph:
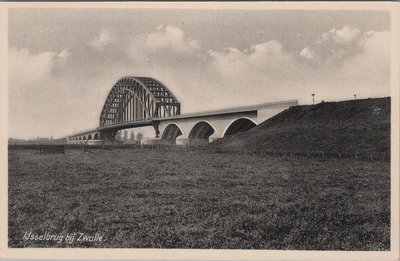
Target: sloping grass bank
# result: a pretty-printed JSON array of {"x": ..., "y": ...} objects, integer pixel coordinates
[{"x": 349, "y": 127}]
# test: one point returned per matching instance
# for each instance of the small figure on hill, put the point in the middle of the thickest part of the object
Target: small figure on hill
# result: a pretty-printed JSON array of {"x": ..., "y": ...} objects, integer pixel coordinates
[{"x": 313, "y": 97}]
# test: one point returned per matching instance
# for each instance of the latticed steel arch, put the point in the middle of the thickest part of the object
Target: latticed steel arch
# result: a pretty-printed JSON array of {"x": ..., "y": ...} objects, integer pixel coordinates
[{"x": 138, "y": 99}]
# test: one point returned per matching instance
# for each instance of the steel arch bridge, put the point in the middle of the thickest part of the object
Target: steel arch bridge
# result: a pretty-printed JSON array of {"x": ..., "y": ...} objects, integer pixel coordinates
[
  {"x": 143, "y": 101},
  {"x": 134, "y": 99}
]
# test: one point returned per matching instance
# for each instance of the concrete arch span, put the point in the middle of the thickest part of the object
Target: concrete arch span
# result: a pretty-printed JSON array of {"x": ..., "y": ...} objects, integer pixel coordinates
[
  {"x": 171, "y": 132},
  {"x": 206, "y": 129},
  {"x": 201, "y": 132},
  {"x": 239, "y": 125}
]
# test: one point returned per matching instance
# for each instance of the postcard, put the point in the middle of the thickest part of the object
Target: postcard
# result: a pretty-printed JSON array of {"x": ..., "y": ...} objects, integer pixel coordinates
[{"x": 200, "y": 130}]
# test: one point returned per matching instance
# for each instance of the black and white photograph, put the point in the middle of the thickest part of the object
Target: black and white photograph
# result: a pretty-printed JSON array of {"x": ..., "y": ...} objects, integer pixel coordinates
[{"x": 201, "y": 127}]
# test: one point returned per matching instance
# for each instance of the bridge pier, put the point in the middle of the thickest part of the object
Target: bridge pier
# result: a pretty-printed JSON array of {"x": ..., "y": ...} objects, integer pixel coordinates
[
  {"x": 108, "y": 135},
  {"x": 182, "y": 140},
  {"x": 156, "y": 129},
  {"x": 215, "y": 136},
  {"x": 185, "y": 140}
]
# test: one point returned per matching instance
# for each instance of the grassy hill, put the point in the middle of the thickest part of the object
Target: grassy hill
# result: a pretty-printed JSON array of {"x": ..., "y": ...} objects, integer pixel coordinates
[{"x": 345, "y": 127}]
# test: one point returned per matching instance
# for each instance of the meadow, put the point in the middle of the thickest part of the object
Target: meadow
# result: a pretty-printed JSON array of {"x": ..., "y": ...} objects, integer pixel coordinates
[{"x": 176, "y": 198}]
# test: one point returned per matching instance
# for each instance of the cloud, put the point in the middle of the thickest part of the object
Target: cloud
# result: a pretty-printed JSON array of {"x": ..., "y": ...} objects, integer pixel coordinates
[
  {"x": 336, "y": 46},
  {"x": 307, "y": 53},
  {"x": 362, "y": 67},
  {"x": 105, "y": 38},
  {"x": 27, "y": 67},
  {"x": 346, "y": 35},
  {"x": 267, "y": 68},
  {"x": 171, "y": 38},
  {"x": 64, "y": 54},
  {"x": 166, "y": 44},
  {"x": 266, "y": 52},
  {"x": 36, "y": 91},
  {"x": 372, "y": 63},
  {"x": 349, "y": 61},
  {"x": 266, "y": 59}
]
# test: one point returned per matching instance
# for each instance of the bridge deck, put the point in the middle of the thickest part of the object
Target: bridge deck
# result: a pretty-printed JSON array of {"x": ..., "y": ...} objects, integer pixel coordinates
[{"x": 232, "y": 110}]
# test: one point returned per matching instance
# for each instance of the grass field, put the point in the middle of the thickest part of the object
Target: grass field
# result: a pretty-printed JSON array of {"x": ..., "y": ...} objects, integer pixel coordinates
[{"x": 189, "y": 199}]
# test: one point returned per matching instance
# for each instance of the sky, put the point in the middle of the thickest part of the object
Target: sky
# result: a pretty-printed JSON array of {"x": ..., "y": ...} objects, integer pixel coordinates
[{"x": 63, "y": 62}]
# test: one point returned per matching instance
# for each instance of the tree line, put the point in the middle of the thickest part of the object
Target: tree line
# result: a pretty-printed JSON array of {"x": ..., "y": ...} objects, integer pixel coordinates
[{"x": 132, "y": 137}]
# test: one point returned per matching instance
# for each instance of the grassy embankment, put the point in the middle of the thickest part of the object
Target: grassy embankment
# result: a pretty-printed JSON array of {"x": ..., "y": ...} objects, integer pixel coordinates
[{"x": 349, "y": 127}]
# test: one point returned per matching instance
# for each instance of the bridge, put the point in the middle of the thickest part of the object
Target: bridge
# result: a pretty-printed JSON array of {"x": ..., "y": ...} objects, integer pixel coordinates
[{"x": 143, "y": 101}]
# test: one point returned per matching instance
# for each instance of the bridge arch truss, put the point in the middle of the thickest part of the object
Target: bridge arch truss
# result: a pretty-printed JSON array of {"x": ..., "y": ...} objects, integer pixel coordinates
[{"x": 136, "y": 99}]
